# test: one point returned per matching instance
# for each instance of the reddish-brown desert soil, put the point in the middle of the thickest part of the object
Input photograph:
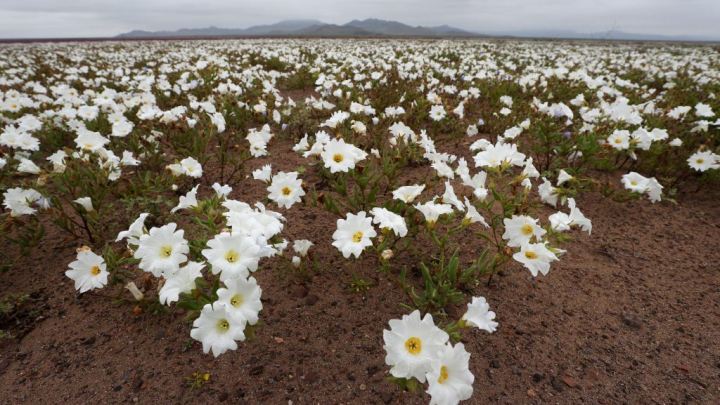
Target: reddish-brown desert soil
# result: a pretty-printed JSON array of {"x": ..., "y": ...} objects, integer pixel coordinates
[{"x": 630, "y": 315}]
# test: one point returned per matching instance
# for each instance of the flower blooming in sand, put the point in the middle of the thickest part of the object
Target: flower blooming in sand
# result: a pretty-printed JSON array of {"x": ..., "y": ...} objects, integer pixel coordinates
[
  {"x": 187, "y": 201},
  {"x": 520, "y": 229},
  {"x": 135, "y": 231},
  {"x": 191, "y": 167},
  {"x": 301, "y": 246},
  {"x": 408, "y": 193},
  {"x": 88, "y": 271},
  {"x": 432, "y": 211},
  {"x": 162, "y": 250},
  {"x": 479, "y": 315},
  {"x": 18, "y": 200},
  {"x": 411, "y": 344},
  {"x": 286, "y": 189},
  {"x": 340, "y": 156},
  {"x": 241, "y": 298},
  {"x": 217, "y": 330},
  {"x": 353, "y": 234},
  {"x": 535, "y": 257},
  {"x": 234, "y": 254},
  {"x": 702, "y": 161},
  {"x": 389, "y": 220},
  {"x": 183, "y": 281},
  {"x": 449, "y": 379}
]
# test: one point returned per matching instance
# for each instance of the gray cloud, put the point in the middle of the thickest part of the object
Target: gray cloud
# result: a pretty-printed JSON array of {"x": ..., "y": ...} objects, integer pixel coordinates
[{"x": 93, "y": 18}]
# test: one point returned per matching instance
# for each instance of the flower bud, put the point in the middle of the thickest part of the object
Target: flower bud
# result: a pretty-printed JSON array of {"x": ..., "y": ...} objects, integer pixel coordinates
[{"x": 135, "y": 291}]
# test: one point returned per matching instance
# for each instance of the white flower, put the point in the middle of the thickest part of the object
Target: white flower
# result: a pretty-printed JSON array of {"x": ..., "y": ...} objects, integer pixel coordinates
[
  {"x": 222, "y": 191},
  {"x": 577, "y": 218},
  {"x": 432, "y": 211},
  {"x": 473, "y": 215},
  {"x": 499, "y": 155},
  {"x": 241, "y": 298},
  {"x": 191, "y": 167},
  {"x": 183, "y": 281},
  {"x": 411, "y": 344},
  {"x": 233, "y": 254},
  {"x": 703, "y": 110},
  {"x": 28, "y": 166},
  {"x": 89, "y": 140},
  {"x": 86, "y": 203},
  {"x": 135, "y": 231},
  {"x": 187, "y": 201},
  {"x": 408, "y": 193},
  {"x": 263, "y": 174},
  {"x": 676, "y": 142},
  {"x": 479, "y": 315},
  {"x": 548, "y": 193},
  {"x": 520, "y": 229},
  {"x": 702, "y": 161},
  {"x": 353, "y": 234},
  {"x": 162, "y": 250},
  {"x": 437, "y": 112},
  {"x": 301, "y": 246},
  {"x": 449, "y": 379},
  {"x": 128, "y": 159},
  {"x": 340, "y": 156},
  {"x": 389, "y": 220},
  {"x": 286, "y": 189},
  {"x": 217, "y": 330},
  {"x": 449, "y": 197},
  {"x": 18, "y": 200},
  {"x": 559, "y": 221},
  {"x": 620, "y": 139},
  {"x": 563, "y": 177},
  {"x": 535, "y": 257},
  {"x": 635, "y": 182},
  {"x": 88, "y": 271}
]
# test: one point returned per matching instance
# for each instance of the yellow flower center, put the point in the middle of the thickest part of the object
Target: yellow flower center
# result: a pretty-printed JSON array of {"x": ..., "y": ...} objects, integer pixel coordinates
[
  {"x": 13, "y": 106},
  {"x": 531, "y": 255},
  {"x": 618, "y": 140},
  {"x": 413, "y": 345},
  {"x": 232, "y": 256},
  {"x": 95, "y": 270},
  {"x": 527, "y": 229},
  {"x": 357, "y": 237},
  {"x": 443, "y": 374},
  {"x": 338, "y": 158},
  {"x": 634, "y": 183},
  {"x": 223, "y": 325},
  {"x": 88, "y": 145},
  {"x": 236, "y": 300},
  {"x": 286, "y": 191},
  {"x": 700, "y": 161},
  {"x": 165, "y": 251}
]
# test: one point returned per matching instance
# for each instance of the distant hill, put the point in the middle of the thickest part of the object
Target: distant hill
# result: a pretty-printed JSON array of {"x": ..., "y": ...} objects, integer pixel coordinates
[
  {"x": 373, "y": 27},
  {"x": 606, "y": 35},
  {"x": 315, "y": 28}
]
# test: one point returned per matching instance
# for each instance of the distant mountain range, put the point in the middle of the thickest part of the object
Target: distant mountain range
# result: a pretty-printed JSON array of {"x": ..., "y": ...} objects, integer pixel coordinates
[
  {"x": 367, "y": 28},
  {"x": 383, "y": 28}
]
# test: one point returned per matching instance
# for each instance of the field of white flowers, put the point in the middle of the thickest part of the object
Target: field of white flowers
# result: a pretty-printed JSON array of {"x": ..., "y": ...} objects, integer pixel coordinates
[{"x": 188, "y": 178}]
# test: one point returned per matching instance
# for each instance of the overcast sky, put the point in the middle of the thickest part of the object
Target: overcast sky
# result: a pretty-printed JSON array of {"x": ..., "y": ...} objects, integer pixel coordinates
[{"x": 101, "y": 18}]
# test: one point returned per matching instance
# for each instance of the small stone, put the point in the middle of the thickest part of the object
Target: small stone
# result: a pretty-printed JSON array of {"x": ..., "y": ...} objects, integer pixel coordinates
[
  {"x": 310, "y": 376},
  {"x": 495, "y": 364},
  {"x": 278, "y": 340},
  {"x": 89, "y": 340},
  {"x": 300, "y": 292},
  {"x": 362, "y": 387},
  {"x": 569, "y": 382},
  {"x": 311, "y": 299},
  {"x": 632, "y": 320},
  {"x": 372, "y": 370},
  {"x": 223, "y": 396},
  {"x": 683, "y": 368},
  {"x": 556, "y": 384},
  {"x": 387, "y": 397},
  {"x": 4, "y": 363},
  {"x": 537, "y": 377},
  {"x": 257, "y": 370},
  {"x": 117, "y": 388},
  {"x": 531, "y": 392}
]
